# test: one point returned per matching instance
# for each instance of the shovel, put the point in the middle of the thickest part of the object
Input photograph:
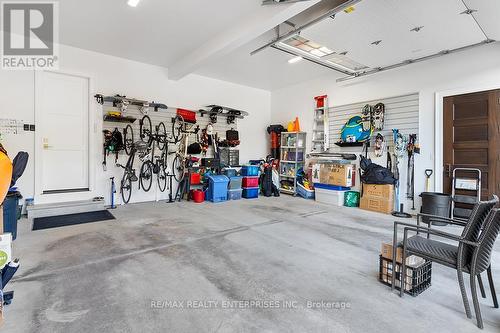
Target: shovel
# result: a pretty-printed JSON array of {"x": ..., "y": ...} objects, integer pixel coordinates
[{"x": 428, "y": 174}]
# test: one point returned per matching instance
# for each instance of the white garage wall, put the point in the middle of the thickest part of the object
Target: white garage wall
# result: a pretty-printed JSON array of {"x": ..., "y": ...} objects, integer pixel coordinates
[
  {"x": 473, "y": 70},
  {"x": 111, "y": 75}
]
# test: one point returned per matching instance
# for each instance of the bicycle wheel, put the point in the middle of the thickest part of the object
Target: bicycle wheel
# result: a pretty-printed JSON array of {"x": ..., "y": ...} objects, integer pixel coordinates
[
  {"x": 161, "y": 133},
  {"x": 178, "y": 168},
  {"x": 162, "y": 179},
  {"x": 128, "y": 139},
  {"x": 177, "y": 127},
  {"x": 145, "y": 128},
  {"x": 126, "y": 188},
  {"x": 146, "y": 176}
]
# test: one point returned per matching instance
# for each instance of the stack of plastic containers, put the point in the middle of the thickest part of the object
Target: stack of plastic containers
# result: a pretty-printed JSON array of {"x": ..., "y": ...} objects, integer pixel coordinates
[
  {"x": 250, "y": 181},
  {"x": 235, "y": 191}
]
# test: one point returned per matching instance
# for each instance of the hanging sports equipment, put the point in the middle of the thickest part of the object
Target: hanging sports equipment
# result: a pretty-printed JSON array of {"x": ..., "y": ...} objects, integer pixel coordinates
[
  {"x": 113, "y": 143},
  {"x": 367, "y": 116},
  {"x": 400, "y": 144},
  {"x": 353, "y": 131},
  {"x": 399, "y": 151},
  {"x": 410, "y": 181},
  {"x": 379, "y": 145},
  {"x": 378, "y": 116}
]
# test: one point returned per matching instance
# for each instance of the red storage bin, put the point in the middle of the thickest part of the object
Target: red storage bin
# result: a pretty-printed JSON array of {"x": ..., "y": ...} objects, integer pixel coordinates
[
  {"x": 188, "y": 115},
  {"x": 250, "y": 182},
  {"x": 198, "y": 196},
  {"x": 195, "y": 178}
]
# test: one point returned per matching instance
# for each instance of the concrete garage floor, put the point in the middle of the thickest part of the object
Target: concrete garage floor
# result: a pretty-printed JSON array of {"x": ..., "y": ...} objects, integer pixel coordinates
[{"x": 105, "y": 276}]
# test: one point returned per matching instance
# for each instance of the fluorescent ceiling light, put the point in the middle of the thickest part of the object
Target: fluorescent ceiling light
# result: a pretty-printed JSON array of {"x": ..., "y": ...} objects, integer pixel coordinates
[
  {"x": 325, "y": 50},
  {"x": 294, "y": 60},
  {"x": 302, "y": 47},
  {"x": 318, "y": 53},
  {"x": 133, "y": 3}
]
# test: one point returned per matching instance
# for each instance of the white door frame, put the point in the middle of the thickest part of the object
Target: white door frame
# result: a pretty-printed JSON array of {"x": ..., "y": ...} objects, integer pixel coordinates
[
  {"x": 438, "y": 130},
  {"x": 39, "y": 196}
]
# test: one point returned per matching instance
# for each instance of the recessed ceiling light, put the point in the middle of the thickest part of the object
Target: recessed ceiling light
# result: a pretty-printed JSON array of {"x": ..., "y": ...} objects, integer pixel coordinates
[
  {"x": 133, "y": 3},
  {"x": 295, "y": 60}
]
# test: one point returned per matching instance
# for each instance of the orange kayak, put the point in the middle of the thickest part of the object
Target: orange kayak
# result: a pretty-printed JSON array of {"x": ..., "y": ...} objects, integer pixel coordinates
[{"x": 5, "y": 175}]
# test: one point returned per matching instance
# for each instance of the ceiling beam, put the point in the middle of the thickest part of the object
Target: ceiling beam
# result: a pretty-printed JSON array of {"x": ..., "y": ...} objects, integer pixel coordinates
[{"x": 263, "y": 20}]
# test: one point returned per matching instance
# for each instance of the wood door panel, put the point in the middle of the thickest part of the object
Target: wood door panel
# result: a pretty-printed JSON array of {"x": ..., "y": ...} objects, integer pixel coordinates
[
  {"x": 470, "y": 122},
  {"x": 477, "y": 157},
  {"x": 462, "y": 110},
  {"x": 471, "y": 133}
]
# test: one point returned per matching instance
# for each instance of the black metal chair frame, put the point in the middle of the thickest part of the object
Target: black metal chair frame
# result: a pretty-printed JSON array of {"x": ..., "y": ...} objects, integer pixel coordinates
[{"x": 470, "y": 267}]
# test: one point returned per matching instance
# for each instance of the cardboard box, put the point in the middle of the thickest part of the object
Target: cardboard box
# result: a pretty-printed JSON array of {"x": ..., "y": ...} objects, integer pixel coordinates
[
  {"x": 378, "y": 191},
  {"x": 375, "y": 204},
  {"x": 386, "y": 252},
  {"x": 411, "y": 261},
  {"x": 334, "y": 174}
]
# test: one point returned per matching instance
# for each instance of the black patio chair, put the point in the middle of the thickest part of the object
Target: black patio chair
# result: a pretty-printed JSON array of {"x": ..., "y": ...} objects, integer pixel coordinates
[{"x": 472, "y": 255}]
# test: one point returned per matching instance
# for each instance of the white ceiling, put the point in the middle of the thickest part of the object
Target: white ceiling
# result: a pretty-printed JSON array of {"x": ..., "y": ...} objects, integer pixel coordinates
[
  {"x": 391, "y": 21},
  {"x": 157, "y": 32},
  {"x": 165, "y": 32}
]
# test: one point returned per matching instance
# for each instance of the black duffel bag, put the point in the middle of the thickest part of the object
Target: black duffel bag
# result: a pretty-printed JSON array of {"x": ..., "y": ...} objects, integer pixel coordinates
[{"x": 374, "y": 173}]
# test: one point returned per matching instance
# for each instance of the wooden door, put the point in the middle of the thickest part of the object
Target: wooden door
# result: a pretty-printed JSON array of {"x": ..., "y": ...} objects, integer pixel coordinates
[{"x": 471, "y": 125}]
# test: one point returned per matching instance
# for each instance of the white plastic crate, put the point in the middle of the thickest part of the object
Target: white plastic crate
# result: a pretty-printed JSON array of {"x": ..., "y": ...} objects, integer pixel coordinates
[{"x": 330, "y": 197}]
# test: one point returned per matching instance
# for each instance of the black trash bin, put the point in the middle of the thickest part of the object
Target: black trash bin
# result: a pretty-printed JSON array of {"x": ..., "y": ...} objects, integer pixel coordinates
[
  {"x": 434, "y": 203},
  {"x": 11, "y": 213}
]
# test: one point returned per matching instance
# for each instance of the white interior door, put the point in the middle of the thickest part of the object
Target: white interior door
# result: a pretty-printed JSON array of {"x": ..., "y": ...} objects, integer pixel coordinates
[{"x": 63, "y": 112}]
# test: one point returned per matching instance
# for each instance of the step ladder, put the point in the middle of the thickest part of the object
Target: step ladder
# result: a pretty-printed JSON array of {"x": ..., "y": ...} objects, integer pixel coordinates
[
  {"x": 470, "y": 192},
  {"x": 320, "y": 139}
]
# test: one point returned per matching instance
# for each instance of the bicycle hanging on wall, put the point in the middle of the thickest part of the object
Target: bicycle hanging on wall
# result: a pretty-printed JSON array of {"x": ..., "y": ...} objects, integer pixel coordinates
[
  {"x": 153, "y": 164},
  {"x": 181, "y": 131}
]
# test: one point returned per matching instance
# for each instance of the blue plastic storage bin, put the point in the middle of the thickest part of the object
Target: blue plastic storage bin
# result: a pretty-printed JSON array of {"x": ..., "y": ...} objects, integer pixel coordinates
[
  {"x": 234, "y": 194},
  {"x": 250, "y": 193},
  {"x": 304, "y": 192},
  {"x": 331, "y": 187},
  {"x": 250, "y": 170},
  {"x": 217, "y": 188},
  {"x": 235, "y": 183}
]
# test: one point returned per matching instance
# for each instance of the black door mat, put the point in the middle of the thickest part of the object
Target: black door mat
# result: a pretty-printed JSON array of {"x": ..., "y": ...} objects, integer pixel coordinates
[{"x": 40, "y": 223}]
